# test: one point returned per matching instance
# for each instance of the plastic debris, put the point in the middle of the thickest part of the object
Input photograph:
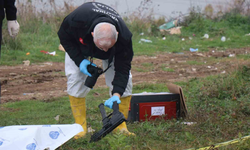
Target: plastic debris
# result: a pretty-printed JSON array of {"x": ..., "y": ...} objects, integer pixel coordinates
[
  {"x": 28, "y": 53},
  {"x": 206, "y": 36},
  {"x": 164, "y": 38},
  {"x": 145, "y": 40},
  {"x": 57, "y": 117},
  {"x": 231, "y": 55},
  {"x": 26, "y": 62},
  {"x": 142, "y": 33},
  {"x": 247, "y": 34},
  {"x": 50, "y": 53},
  {"x": 188, "y": 123},
  {"x": 223, "y": 39},
  {"x": 34, "y": 137},
  {"x": 193, "y": 50},
  {"x": 168, "y": 25},
  {"x": 190, "y": 38},
  {"x": 183, "y": 39}
]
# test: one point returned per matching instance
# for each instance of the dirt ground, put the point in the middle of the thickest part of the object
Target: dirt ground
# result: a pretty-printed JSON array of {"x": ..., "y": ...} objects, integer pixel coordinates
[{"x": 47, "y": 80}]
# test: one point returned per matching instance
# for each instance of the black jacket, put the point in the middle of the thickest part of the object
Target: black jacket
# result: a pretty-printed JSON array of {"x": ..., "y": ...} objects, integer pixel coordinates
[
  {"x": 75, "y": 36},
  {"x": 7, "y": 6}
]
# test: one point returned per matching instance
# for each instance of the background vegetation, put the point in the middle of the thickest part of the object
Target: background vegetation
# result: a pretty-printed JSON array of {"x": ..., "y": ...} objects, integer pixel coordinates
[{"x": 219, "y": 105}]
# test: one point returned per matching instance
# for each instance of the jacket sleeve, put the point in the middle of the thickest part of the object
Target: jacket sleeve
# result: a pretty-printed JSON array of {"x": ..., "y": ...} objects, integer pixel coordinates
[
  {"x": 70, "y": 45},
  {"x": 10, "y": 9},
  {"x": 122, "y": 64}
]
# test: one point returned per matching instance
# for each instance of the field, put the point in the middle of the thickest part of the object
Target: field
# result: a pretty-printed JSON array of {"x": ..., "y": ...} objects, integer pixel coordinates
[
  {"x": 45, "y": 81},
  {"x": 215, "y": 80}
]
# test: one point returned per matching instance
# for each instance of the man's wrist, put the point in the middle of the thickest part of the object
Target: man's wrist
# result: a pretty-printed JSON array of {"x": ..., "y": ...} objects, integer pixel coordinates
[{"x": 117, "y": 94}]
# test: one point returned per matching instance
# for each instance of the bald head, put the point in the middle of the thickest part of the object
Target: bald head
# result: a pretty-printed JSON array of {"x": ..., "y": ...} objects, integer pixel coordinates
[{"x": 105, "y": 36}]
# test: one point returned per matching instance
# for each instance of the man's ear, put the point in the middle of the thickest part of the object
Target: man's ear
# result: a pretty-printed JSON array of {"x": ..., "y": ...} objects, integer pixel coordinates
[
  {"x": 117, "y": 33},
  {"x": 92, "y": 33}
]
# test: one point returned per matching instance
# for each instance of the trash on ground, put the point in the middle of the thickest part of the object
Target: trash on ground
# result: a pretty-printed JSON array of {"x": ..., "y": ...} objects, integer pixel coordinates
[
  {"x": 193, "y": 50},
  {"x": 183, "y": 39},
  {"x": 57, "y": 117},
  {"x": 231, "y": 55},
  {"x": 26, "y": 62},
  {"x": 145, "y": 40},
  {"x": 223, "y": 72},
  {"x": 90, "y": 130},
  {"x": 247, "y": 34},
  {"x": 142, "y": 33},
  {"x": 50, "y": 53},
  {"x": 169, "y": 25},
  {"x": 164, "y": 38},
  {"x": 28, "y": 94},
  {"x": 190, "y": 38},
  {"x": 223, "y": 39},
  {"x": 28, "y": 53},
  {"x": 188, "y": 123},
  {"x": 33, "y": 137},
  {"x": 206, "y": 36}
]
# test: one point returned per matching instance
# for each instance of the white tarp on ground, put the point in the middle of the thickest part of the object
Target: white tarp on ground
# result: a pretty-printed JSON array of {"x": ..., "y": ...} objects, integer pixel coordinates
[{"x": 36, "y": 137}]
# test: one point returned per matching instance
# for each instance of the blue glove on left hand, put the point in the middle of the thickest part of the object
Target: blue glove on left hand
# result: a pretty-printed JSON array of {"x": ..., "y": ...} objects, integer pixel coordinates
[
  {"x": 83, "y": 66},
  {"x": 109, "y": 102}
]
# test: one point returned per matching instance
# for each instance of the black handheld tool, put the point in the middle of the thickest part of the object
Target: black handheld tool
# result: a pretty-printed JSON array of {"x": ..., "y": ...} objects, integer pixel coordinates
[{"x": 110, "y": 122}]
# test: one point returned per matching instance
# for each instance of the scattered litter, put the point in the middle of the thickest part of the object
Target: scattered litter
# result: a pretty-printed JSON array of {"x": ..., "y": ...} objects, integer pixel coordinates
[
  {"x": 90, "y": 130},
  {"x": 168, "y": 25},
  {"x": 28, "y": 94},
  {"x": 193, "y": 34},
  {"x": 190, "y": 38},
  {"x": 231, "y": 55},
  {"x": 172, "y": 60},
  {"x": 12, "y": 74},
  {"x": 247, "y": 34},
  {"x": 50, "y": 53},
  {"x": 193, "y": 50},
  {"x": 57, "y": 117},
  {"x": 27, "y": 53},
  {"x": 194, "y": 69},
  {"x": 26, "y": 62},
  {"x": 188, "y": 123},
  {"x": 31, "y": 137},
  {"x": 199, "y": 54},
  {"x": 183, "y": 39},
  {"x": 205, "y": 62},
  {"x": 223, "y": 39},
  {"x": 61, "y": 48},
  {"x": 142, "y": 33},
  {"x": 145, "y": 40},
  {"x": 206, "y": 36},
  {"x": 213, "y": 51},
  {"x": 164, "y": 38},
  {"x": 209, "y": 67},
  {"x": 223, "y": 72}
]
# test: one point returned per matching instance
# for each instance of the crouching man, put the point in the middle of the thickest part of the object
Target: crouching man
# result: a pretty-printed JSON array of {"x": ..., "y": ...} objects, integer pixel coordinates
[{"x": 95, "y": 30}]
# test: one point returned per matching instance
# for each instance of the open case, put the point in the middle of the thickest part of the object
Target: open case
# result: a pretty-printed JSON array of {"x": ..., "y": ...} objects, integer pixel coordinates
[{"x": 165, "y": 105}]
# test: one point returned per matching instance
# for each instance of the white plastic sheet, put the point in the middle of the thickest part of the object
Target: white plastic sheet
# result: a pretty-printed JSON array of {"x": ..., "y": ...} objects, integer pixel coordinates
[{"x": 36, "y": 137}]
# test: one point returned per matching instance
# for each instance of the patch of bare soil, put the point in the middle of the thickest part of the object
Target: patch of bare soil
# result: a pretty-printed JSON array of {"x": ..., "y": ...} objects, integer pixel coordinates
[{"x": 47, "y": 80}]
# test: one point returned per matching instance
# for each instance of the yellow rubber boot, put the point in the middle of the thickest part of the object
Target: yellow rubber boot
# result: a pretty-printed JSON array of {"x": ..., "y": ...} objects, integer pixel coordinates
[
  {"x": 78, "y": 107},
  {"x": 123, "y": 108}
]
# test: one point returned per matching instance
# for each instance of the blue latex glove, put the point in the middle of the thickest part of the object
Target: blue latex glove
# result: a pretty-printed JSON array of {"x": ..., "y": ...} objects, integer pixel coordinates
[
  {"x": 83, "y": 67},
  {"x": 109, "y": 102}
]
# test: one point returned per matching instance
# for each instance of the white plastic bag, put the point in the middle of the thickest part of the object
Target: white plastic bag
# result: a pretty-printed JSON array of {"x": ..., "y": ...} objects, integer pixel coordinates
[{"x": 36, "y": 137}]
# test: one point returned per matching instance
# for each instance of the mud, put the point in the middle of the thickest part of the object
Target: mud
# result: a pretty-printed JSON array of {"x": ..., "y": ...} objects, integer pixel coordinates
[{"x": 47, "y": 81}]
